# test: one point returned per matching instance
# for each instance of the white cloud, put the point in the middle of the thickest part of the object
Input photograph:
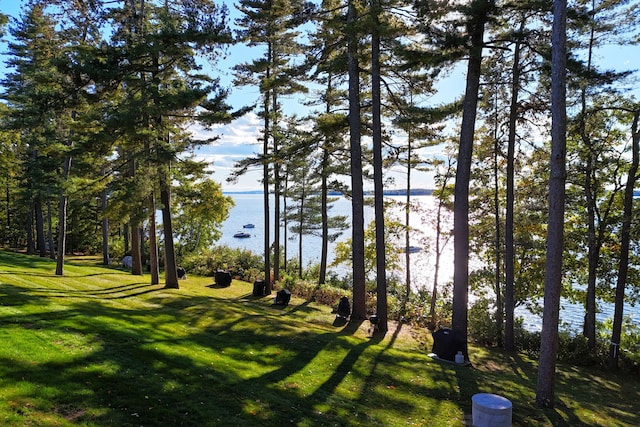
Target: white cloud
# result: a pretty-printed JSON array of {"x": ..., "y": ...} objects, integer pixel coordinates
[{"x": 236, "y": 141}]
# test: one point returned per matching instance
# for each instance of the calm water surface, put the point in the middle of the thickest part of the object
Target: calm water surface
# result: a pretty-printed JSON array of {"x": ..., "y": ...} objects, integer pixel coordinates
[{"x": 249, "y": 210}]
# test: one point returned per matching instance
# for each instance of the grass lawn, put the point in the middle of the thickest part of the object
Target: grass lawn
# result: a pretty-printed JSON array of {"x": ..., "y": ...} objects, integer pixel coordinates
[{"x": 100, "y": 347}]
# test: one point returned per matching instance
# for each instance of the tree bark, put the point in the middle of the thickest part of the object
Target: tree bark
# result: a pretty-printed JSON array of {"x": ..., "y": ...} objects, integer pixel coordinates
[
  {"x": 499, "y": 314},
  {"x": 40, "y": 236},
  {"x": 154, "y": 264},
  {"x": 50, "y": 242},
  {"x": 170, "y": 272},
  {"x": 276, "y": 189},
  {"x": 407, "y": 225},
  {"x": 509, "y": 254},
  {"x": 463, "y": 172},
  {"x": 359, "y": 311},
  {"x": 106, "y": 260},
  {"x": 31, "y": 247},
  {"x": 265, "y": 199},
  {"x": 62, "y": 220},
  {"x": 126, "y": 237},
  {"x": 623, "y": 267},
  {"x": 438, "y": 253},
  {"x": 324, "y": 194},
  {"x": 136, "y": 250},
  {"x": 381, "y": 263},
  {"x": 555, "y": 229}
]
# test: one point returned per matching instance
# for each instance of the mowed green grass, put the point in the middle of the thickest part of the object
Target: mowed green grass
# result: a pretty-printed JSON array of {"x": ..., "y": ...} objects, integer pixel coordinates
[{"x": 100, "y": 347}]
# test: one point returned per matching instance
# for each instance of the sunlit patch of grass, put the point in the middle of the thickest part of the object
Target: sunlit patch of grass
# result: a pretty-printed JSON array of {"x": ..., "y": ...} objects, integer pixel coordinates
[{"x": 101, "y": 347}]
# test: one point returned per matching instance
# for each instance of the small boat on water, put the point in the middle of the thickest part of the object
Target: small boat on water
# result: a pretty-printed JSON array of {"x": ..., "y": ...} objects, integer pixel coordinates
[
  {"x": 248, "y": 226},
  {"x": 412, "y": 249},
  {"x": 242, "y": 235}
]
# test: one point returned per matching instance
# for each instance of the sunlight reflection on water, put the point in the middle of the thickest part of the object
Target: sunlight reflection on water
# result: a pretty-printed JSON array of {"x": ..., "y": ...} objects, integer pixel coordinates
[{"x": 249, "y": 210}]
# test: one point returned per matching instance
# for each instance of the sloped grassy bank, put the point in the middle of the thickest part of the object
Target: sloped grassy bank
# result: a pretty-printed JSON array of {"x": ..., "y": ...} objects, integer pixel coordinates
[{"x": 100, "y": 347}]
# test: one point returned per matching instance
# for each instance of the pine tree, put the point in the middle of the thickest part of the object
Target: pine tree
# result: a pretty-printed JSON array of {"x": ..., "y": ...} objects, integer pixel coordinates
[
  {"x": 272, "y": 24},
  {"x": 555, "y": 237},
  {"x": 600, "y": 23},
  {"x": 359, "y": 311},
  {"x": 478, "y": 14},
  {"x": 327, "y": 62},
  {"x": 623, "y": 267}
]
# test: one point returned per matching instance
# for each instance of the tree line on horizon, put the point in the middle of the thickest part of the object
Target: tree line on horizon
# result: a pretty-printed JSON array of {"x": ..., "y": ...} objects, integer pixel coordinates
[{"x": 538, "y": 166}]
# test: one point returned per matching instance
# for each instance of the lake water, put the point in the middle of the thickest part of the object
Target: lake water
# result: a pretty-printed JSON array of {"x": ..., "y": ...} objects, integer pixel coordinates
[{"x": 249, "y": 210}]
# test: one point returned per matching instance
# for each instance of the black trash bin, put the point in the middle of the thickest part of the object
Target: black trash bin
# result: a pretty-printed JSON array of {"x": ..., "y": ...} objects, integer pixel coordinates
[
  {"x": 447, "y": 343},
  {"x": 223, "y": 278},
  {"x": 283, "y": 297},
  {"x": 259, "y": 288}
]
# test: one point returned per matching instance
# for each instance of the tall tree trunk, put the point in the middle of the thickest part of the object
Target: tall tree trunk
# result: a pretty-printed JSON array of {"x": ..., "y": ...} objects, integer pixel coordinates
[
  {"x": 31, "y": 246},
  {"x": 276, "y": 188},
  {"x": 126, "y": 237},
  {"x": 7, "y": 190},
  {"x": 593, "y": 259},
  {"x": 555, "y": 229},
  {"x": 136, "y": 250},
  {"x": 285, "y": 223},
  {"x": 50, "y": 243},
  {"x": 324, "y": 194},
  {"x": 463, "y": 173},
  {"x": 40, "y": 235},
  {"x": 438, "y": 251},
  {"x": 381, "y": 262},
  {"x": 62, "y": 220},
  {"x": 509, "y": 253},
  {"x": 106, "y": 260},
  {"x": 407, "y": 230},
  {"x": 265, "y": 176},
  {"x": 623, "y": 267},
  {"x": 498, "y": 243},
  {"x": 301, "y": 223},
  {"x": 265, "y": 199},
  {"x": 359, "y": 311},
  {"x": 170, "y": 267},
  {"x": 436, "y": 270},
  {"x": 593, "y": 243},
  {"x": 154, "y": 265}
]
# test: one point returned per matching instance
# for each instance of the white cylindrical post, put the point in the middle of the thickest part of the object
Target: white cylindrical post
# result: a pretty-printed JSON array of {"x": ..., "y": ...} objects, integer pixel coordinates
[{"x": 491, "y": 410}]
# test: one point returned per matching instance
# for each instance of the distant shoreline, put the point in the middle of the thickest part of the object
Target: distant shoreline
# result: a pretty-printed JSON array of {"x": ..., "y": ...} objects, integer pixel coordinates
[{"x": 401, "y": 192}]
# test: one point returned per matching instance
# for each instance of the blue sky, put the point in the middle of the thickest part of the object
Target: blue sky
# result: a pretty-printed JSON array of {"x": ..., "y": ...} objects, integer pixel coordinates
[{"x": 239, "y": 139}]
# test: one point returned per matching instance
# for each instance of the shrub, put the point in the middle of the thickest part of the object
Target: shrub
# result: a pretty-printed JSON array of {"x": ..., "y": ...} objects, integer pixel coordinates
[
  {"x": 629, "y": 358},
  {"x": 573, "y": 348},
  {"x": 310, "y": 291},
  {"x": 526, "y": 341},
  {"x": 482, "y": 323},
  {"x": 415, "y": 311},
  {"x": 241, "y": 263}
]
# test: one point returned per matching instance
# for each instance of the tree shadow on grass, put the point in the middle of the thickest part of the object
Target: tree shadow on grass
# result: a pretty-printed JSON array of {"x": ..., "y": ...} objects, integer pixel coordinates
[
  {"x": 14, "y": 296},
  {"x": 180, "y": 359},
  {"x": 217, "y": 286},
  {"x": 25, "y": 262},
  {"x": 133, "y": 377},
  {"x": 114, "y": 292},
  {"x": 514, "y": 377}
]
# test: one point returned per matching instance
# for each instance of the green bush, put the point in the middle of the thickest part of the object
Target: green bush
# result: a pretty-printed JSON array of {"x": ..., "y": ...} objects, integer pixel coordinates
[
  {"x": 629, "y": 358},
  {"x": 310, "y": 291},
  {"x": 482, "y": 322},
  {"x": 241, "y": 263},
  {"x": 342, "y": 282},
  {"x": 573, "y": 348},
  {"x": 527, "y": 342}
]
